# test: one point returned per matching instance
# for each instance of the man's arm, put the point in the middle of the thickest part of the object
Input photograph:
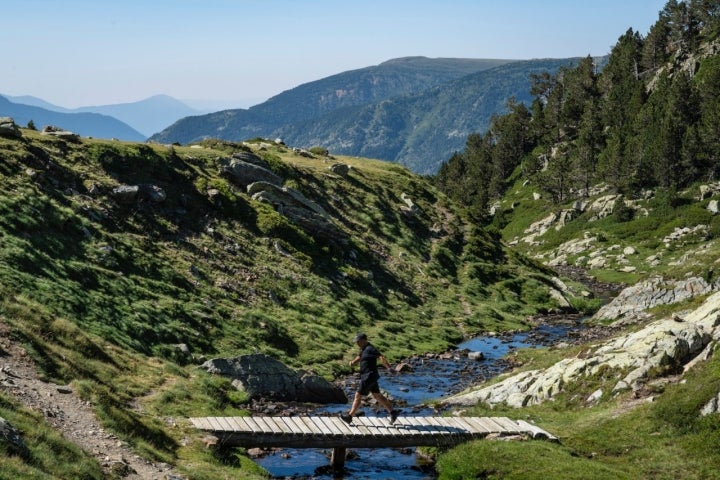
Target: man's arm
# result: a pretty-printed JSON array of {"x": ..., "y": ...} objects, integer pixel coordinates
[{"x": 385, "y": 362}]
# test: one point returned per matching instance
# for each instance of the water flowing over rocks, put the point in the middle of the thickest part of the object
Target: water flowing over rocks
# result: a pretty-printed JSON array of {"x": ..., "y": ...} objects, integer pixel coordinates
[
  {"x": 667, "y": 344},
  {"x": 262, "y": 376}
]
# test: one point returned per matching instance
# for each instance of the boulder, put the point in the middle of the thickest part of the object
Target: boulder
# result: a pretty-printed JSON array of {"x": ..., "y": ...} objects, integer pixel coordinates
[
  {"x": 713, "y": 207},
  {"x": 125, "y": 194},
  {"x": 11, "y": 439},
  {"x": 604, "y": 206},
  {"x": 245, "y": 173},
  {"x": 262, "y": 376},
  {"x": 8, "y": 128},
  {"x": 60, "y": 133},
  {"x": 282, "y": 197},
  {"x": 341, "y": 169},
  {"x": 250, "y": 157}
]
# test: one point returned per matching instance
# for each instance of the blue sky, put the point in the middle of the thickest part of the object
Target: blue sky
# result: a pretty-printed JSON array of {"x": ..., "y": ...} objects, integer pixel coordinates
[{"x": 92, "y": 52}]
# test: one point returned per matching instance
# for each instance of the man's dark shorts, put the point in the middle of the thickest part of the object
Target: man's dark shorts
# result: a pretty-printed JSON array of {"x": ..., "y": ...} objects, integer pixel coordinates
[{"x": 369, "y": 383}]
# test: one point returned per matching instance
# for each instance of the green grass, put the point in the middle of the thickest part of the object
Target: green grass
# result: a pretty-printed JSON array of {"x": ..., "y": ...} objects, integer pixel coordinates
[{"x": 101, "y": 293}]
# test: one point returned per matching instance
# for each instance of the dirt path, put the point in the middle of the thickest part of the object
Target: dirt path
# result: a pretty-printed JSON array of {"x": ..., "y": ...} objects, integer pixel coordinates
[{"x": 70, "y": 415}]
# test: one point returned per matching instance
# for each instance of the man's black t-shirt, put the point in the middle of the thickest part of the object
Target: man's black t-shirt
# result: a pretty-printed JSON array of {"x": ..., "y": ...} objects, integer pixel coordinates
[{"x": 368, "y": 361}]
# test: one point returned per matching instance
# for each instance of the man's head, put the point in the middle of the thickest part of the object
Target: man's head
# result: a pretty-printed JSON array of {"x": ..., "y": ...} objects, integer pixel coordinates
[{"x": 361, "y": 339}]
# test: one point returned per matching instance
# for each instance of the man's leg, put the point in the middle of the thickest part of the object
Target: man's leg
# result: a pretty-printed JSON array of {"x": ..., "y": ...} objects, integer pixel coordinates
[
  {"x": 347, "y": 417},
  {"x": 355, "y": 404},
  {"x": 382, "y": 400}
]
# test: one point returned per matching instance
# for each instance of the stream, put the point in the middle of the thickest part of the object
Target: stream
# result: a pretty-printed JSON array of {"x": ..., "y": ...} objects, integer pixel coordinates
[{"x": 432, "y": 377}]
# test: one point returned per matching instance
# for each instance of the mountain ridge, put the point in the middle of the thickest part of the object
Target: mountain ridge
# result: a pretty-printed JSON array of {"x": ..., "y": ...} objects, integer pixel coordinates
[{"x": 350, "y": 114}]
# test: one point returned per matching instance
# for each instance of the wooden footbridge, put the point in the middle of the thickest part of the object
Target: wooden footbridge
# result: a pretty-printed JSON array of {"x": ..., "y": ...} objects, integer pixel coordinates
[{"x": 364, "y": 432}]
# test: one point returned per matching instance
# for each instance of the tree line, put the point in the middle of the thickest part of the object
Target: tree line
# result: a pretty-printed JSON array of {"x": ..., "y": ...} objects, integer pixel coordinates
[{"x": 646, "y": 116}]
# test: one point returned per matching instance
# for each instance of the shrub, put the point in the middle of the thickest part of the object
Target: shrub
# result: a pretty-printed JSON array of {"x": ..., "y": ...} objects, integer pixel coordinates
[{"x": 320, "y": 151}]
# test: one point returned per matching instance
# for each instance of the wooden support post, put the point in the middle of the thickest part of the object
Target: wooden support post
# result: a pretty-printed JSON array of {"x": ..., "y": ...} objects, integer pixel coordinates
[{"x": 337, "y": 459}]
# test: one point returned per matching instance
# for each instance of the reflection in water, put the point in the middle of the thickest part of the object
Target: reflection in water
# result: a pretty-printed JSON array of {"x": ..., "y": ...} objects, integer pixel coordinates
[{"x": 431, "y": 378}]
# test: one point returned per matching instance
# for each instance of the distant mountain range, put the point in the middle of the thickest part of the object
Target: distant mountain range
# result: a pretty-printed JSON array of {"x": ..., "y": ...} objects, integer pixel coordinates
[
  {"x": 414, "y": 110},
  {"x": 83, "y": 123},
  {"x": 146, "y": 116}
]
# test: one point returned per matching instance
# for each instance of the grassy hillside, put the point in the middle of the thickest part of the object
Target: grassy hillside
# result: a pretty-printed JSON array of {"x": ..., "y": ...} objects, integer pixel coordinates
[
  {"x": 102, "y": 288},
  {"x": 656, "y": 432}
]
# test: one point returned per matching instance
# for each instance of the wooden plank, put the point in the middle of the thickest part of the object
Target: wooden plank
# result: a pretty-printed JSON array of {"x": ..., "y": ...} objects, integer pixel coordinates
[
  {"x": 359, "y": 423},
  {"x": 510, "y": 426},
  {"x": 535, "y": 431},
  {"x": 309, "y": 426},
  {"x": 294, "y": 428},
  {"x": 280, "y": 424},
  {"x": 340, "y": 425},
  {"x": 236, "y": 424},
  {"x": 499, "y": 428},
  {"x": 255, "y": 426},
  {"x": 462, "y": 427},
  {"x": 380, "y": 425},
  {"x": 367, "y": 422},
  {"x": 326, "y": 428},
  {"x": 482, "y": 424},
  {"x": 440, "y": 425},
  {"x": 226, "y": 423},
  {"x": 201, "y": 423},
  {"x": 247, "y": 424},
  {"x": 269, "y": 425},
  {"x": 306, "y": 429},
  {"x": 420, "y": 426},
  {"x": 215, "y": 422},
  {"x": 333, "y": 428}
]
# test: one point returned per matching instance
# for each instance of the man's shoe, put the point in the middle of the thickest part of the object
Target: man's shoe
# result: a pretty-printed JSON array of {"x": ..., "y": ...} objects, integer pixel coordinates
[
  {"x": 346, "y": 417},
  {"x": 393, "y": 416}
]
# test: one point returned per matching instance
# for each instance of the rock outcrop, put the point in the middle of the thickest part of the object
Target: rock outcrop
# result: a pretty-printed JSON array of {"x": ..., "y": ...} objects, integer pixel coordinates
[
  {"x": 243, "y": 172},
  {"x": 54, "y": 131},
  {"x": 262, "y": 376},
  {"x": 655, "y": 291},
  {"x": 300, "y": 210},
  {"x": 8, "y": 128},
  {"x": 11, "y": 439}
]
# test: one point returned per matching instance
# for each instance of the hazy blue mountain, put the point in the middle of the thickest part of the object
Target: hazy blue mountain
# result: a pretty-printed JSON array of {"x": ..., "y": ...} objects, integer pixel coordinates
[
  {"x": 85, "y": 124},
  {"x": 147, "y": 116},
  {"x": 397, "y": 77},
  {"x": 37, "y": 102}
]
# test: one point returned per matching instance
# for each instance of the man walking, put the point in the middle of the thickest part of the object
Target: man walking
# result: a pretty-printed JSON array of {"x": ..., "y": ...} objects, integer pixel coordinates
[{"x": 369, "y": 377}]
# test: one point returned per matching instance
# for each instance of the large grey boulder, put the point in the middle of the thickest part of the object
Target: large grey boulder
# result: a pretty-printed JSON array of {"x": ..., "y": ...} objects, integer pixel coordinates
[
  {"x": 244, "y": 173},
  {"x": 11, "y": 438},
  {"x": 8, "y": 128},
  {"x": 262, "y": 376},
  {"x": 54, "y": 131}
]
